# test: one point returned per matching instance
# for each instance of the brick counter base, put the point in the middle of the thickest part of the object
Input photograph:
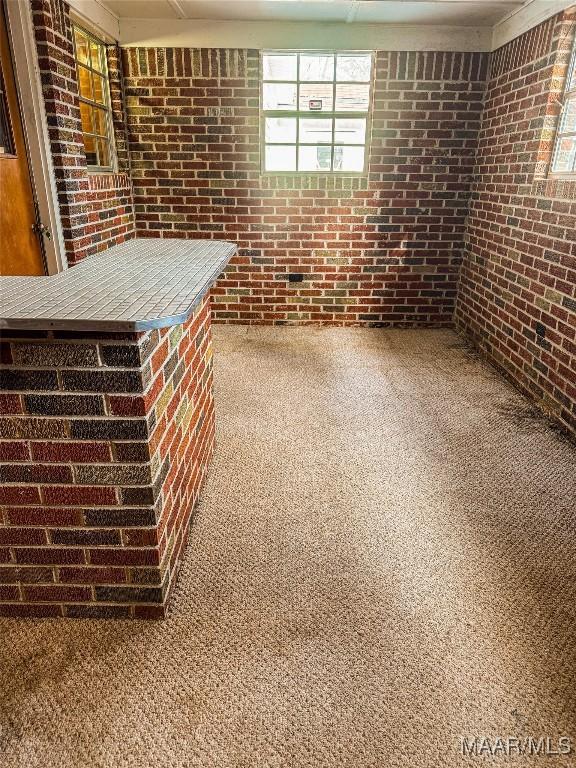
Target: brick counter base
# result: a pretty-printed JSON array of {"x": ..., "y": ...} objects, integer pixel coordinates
[{"x": 105, "y": 440}]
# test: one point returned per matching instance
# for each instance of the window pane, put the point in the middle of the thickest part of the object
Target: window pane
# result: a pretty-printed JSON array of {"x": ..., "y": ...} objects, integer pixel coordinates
[
  {"x": 350, "y": 130},
  {"x": 100, "y": 121},
  {"x": 98, "y": 84},
  {"x": 349, "y": 159},
  {"x": 103, "y": 152},
  {"x": 315, "y": 131},
  {"x": 355, "y": 67},
  {"x": 279, "y": 96},
  {"x": 316, "y": 67},
  {"x": 281, "y": 67},
  {"x": 352, "y": 98},
  {"x": 86, "y": 116},
  {"x": 568, "y": 122},
  {"x": 316, "y": 97},
  {"x": 97, "y": 56},
  {"x": 565, "y": 157},
  {"x": 84, "y": 82},
  {"x": 280, "y": 158},
  {"x": 281, "y": 130},
  {"x": 572, "y": 74},
  {"x": 314, "y": 158},
  {"x": 82, "y": 48},
  {"x": 90, "y": 150}
]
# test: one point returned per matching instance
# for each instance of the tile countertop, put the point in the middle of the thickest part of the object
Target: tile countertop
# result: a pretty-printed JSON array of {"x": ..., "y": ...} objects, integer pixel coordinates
[{"x": 143, "y": 283}]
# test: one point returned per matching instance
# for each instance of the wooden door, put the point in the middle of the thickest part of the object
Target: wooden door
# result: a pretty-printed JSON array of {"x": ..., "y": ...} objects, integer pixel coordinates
[{"x": 20, "y": 246}]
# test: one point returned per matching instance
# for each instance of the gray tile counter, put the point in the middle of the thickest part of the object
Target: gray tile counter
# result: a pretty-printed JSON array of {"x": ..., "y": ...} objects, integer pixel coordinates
[{"x": 141, "y": 284}]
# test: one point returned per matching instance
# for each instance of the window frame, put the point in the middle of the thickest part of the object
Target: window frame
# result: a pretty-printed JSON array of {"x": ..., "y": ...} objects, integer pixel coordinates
[
  {"x": 106, "y": 106},
  {"x": 7, "y": 149},
  {"x": 568, "y": 97},
  {"x": 333, "y": 114}
]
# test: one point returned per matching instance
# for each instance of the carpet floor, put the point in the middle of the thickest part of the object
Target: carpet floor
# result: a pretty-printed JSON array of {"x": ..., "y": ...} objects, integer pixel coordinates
[{"x": 382, "y": 563}]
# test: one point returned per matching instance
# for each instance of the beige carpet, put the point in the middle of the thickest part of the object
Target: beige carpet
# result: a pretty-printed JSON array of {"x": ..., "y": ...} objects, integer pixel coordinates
[{"x": 383, "y": 561}]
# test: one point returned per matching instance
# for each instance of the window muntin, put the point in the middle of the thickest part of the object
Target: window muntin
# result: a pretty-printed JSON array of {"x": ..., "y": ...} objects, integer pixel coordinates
[
  {"x": 564, "y": 160},
  {"x": 315, "y": 111},
  {"x": 94, "y": 97}
]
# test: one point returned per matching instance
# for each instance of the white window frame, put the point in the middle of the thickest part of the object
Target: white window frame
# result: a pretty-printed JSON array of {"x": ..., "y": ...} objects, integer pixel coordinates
[
  {"x": 107, "y": 106},
  {"x": 297, "y": 113},
  {"x": 568, "y": 98}
]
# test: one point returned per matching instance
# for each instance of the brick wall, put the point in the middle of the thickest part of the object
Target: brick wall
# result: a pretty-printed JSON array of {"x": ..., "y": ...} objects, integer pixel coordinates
[
  {"x": 105, "y": 443},
  {"x": 379, "y": 249},
  {"x": 96, "y": 209},
  {"x": 517, "y": 294}
]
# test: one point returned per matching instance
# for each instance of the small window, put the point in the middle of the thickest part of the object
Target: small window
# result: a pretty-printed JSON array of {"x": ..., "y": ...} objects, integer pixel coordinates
[
  {"x": 315, "y": 109},
  {"x": 94, "y": 98},
  {"x": 564, "y": 161}
]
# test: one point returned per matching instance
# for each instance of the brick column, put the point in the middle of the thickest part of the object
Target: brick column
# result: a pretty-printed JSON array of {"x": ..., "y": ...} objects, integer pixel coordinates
[{"x": 105, "y": 441}]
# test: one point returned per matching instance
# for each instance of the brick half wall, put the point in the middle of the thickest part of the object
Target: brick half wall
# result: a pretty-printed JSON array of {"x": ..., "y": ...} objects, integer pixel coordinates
[{"x": 105, "y": 441}]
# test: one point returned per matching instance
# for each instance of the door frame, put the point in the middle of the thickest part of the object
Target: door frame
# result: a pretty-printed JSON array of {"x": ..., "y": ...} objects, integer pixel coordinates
[{"x": 29, "y": 89}]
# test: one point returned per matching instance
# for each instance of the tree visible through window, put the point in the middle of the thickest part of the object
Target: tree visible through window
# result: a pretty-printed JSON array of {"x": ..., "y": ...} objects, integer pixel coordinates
[
  {"x": 565, "y": 151},
  {"x": 94, "y": 99},
  {"x": 315, "y": 110}
]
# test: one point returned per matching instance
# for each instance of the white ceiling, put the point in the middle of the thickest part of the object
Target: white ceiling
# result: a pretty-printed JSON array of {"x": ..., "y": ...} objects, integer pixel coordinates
[
  {"x": 413, "y": 12},
  {"x": 389, "y": 25}
]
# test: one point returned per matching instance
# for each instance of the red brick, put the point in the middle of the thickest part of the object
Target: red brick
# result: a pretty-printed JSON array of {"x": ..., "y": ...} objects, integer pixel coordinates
[
  {"x": 9, "y": 593},
  {"x": 149, "y": 611},
  {"x": 5, "y": 555},
  {"x": 35, "y": 473},
  {"x": 22, "y": 536},
  {"x": 10, "y": 404},
  {"x": 43, "y": 516},
  {"x": 140, "y": 537},
  {"x": 79, "y": 495},
  {"x": 26, "y": 575},
  {"x": 92, "y": 575},
  {"x": 71, "y": 452},
  {"x": 29, "y": 610},
  {"x": 49, "y": 555},
  {"x": 123, "y": 556},
  {"x": 127, "y": 406},
  {"x": 19, "y": 495},
  {"x": 56, "y": 594},
  {"x": 14, "y": 451},
  {"x": 159, "y": 357}
]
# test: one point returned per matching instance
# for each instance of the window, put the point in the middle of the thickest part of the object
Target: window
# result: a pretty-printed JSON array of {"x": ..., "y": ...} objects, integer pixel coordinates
[
  {"x": 94, "y": 95},
  {"x": 315, "y": 111},
  {"x": 565, "y": 151},
  {"x": 6, "y": 138}
]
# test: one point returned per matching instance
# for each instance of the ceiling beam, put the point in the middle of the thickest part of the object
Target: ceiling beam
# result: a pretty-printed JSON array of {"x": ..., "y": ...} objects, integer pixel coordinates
[
  {"x": 532, "y": 13},
  {"x": 205, "y": 33},
  {"x": 97, "y": 17}
]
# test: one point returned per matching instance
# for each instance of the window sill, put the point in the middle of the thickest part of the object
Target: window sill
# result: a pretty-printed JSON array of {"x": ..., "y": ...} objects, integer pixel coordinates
[
  {"x": 562, "y": 177},
  {"x": 558, "y": 186},
  {"x": 317, "y": 174},
  {"x": 93, "y": 171}
]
